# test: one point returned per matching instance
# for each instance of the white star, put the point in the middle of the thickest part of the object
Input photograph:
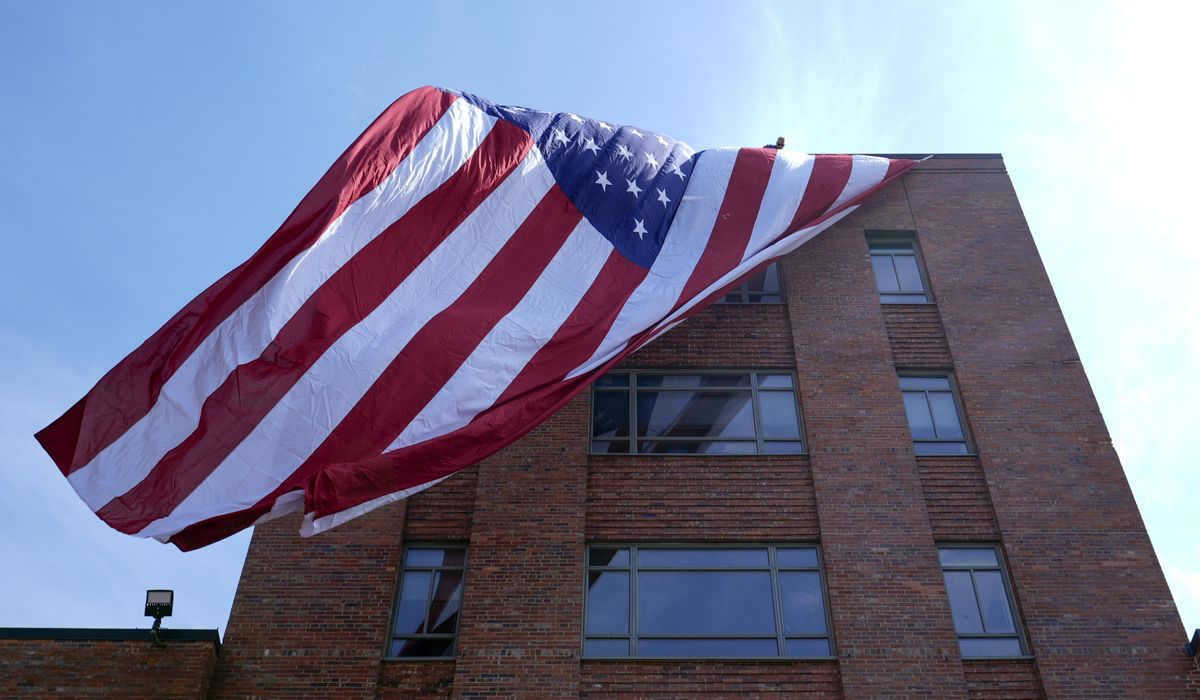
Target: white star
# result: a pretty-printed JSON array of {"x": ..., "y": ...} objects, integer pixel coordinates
[
  {"x": 633, "y": 187},
  {"x": 650, "y": 159},
  {"x": 604, "y": 126},
  {"x": 663, "y": 141},
  {"x": 676, "y": 171},
  {"x": 602, "y": 180},
  {"x": 576, "y": 117},
  {"x": 635, "y": 132},
  {"x": 624, "y": 152},
  {"x": 640, "y": 228},
  {"x": 561, "y": 136},
  {"x": 662, "y": 197},
  {"x": 590, "y": 145}
]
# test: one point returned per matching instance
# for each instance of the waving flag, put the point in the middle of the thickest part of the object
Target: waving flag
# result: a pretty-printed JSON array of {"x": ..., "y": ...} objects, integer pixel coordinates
[{"x": 459, "y": 273}]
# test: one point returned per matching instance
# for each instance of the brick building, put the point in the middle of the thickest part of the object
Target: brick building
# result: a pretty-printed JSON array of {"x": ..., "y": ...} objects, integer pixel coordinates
[{"x": 878, "y": 470}]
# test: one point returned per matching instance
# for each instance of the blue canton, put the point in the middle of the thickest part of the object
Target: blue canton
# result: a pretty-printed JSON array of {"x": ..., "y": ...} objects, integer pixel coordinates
[{"x": 627, "y": 182}]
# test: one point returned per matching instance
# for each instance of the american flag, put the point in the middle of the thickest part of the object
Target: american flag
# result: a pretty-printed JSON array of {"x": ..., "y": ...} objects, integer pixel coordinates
[{"x": 461, "y": 271}]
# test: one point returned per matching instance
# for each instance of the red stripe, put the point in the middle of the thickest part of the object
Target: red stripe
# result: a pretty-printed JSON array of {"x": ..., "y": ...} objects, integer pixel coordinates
[
  {"x": 126, "y": 393},
  {"x": 355, "y": 290},
  {"x": 536, "y": 393},
  {"x": 826, "y": 183},
  {"x": 735, "y": 222}
]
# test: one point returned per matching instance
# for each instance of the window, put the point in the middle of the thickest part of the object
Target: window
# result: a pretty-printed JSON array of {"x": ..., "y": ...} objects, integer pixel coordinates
[
  {"x": 710, "y": 413},
  {"x": 934, "y": 416},
  {"x": 427, "y": 606},
  {"x": 898, "y": 272},
  {"x": 705, "y": 602},
  {"x": 981, "y": 602},
  {"x": 763, "y": 288}
]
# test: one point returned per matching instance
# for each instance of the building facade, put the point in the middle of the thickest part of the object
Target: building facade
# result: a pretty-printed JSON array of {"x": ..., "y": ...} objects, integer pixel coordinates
[{"x": 877, "y": 471}]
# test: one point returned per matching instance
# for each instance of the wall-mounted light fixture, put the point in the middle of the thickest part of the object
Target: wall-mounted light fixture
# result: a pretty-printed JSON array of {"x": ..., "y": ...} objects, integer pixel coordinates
[{"x": 159, "y": 604}]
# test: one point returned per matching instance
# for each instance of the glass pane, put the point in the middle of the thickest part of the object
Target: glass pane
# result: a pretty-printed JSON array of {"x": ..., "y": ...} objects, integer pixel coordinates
[
  {"x": 962, "y": 602},
  {"x": 885, "y": 274},
  {"x": 993, "y": 600},
  {"x": 705, "y": 602},
  {"x": 608, "y": 602},
  {"x": 803, "y": 604},
  {"x": 606, "y": 647},
  {"x": 692, "y": 381},
  {"x": 434, "y": 557},
  {"x": 613, "y": 379},
  {"x": 778, "y": 411},
  {"x": 925, "y": 383},
  {"x": 945, "y": 415},
  {"x": 447, "y": 599},
  {"x": 920, "y": 423},
  {"x": 704, "y": 558},
  {"x": 423, "y": 647},
  {"x": 783, "y": 448},
  {"x": 755, "y": 282},
  {"x": 610, "y": 414},
  {"x": 1010, "y": 646},
  {"x": 808, "y": 647},
  {"x": 775, "y": 381},
  {"x": 607, "y": 556},
  {"x": 764, "y": 298},
  {"x": 601, "y": 447},
  {"x": 910, "y": 276},
  {"x": 941, "y": 448},
  {"x": 708, "y": 648},
  {"x": 694, "y": 414},
  {"x": 963, "y": 556},
  {"x": 712, "y": 448},
  {"x": 413, "y": 603},
  {"x": 796, "y": 558}
]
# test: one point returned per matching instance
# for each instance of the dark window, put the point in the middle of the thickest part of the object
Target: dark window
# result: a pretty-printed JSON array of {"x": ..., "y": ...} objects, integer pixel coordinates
[
  {"x": 934, "y": 416},
  {"x": 898, "y": 272},
  {"x": 762, "y": 288},
  {"x": 981, "y": 602},
  {"x": 428, "y": 604},
  {"x": 705, "y": 603},
  {"x": 714, "y": 413}
]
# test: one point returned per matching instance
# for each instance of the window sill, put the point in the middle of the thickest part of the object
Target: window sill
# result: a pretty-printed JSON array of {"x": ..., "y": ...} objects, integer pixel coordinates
[
  {"x": 704, "y": 455},
  {"x": 694, "y": 659},
  {"x": 908, "y": 303},
  {"x": 969, "y": 659},
  {"x": 407, "y": 659}
]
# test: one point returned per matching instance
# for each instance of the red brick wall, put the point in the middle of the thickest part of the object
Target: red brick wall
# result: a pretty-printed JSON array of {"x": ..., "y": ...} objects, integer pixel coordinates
[
  {"x": 311, "y": 616},
  {"x": 44, "y": 668},
  {"x": 715, "y": 678},
  {"x": 890, "y": 614},
  {"x": 1101, "y": 620}
]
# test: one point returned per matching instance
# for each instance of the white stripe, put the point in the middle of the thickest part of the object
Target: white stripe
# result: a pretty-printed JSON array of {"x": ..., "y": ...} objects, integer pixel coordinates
[
  {"x": 865, "y": 173},
  {"x": 514, "y": 340},
  {"x": 314, "y": 526},
  {"x": 685, "y": 242},
  {"x": 785, "y": 189},
  {"x": 319, "y": 400},
  {"x": 244, "y": 335}
]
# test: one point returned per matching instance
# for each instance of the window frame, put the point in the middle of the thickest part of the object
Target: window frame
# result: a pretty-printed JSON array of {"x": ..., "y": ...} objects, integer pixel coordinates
[
  {"x": 780, "y": 635},
  {"x": 743, "y": 290},
  {"x": 391, "y": 636},
  {"x": 758, "y": 441},
  {"x": 899, "y": 239},
  {"x": 1002, "y": 568},
  {"x": 959, "y": 410}
]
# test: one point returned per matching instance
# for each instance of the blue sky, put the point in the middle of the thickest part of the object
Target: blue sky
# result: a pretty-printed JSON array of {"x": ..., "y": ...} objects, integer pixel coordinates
[{"x": 151, "y": 147}]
